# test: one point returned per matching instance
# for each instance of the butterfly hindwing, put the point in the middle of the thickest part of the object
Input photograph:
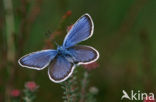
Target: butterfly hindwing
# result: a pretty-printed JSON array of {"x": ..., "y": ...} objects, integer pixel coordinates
[
  {"x": 83, "y": 54},
  {"x": 60, "y": 69},
  {"x": 38, "y": 60},
  {"x": 80, "y": 31}
]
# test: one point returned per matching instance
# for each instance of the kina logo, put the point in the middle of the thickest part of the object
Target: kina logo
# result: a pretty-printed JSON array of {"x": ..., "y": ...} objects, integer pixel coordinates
[{"x": 138, "y": 95}]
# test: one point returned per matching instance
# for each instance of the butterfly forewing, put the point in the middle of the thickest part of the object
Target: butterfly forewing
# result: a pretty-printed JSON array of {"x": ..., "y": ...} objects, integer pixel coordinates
[
  {"x": 80, "y": 31},
  {"x": 38, "y": 60}
]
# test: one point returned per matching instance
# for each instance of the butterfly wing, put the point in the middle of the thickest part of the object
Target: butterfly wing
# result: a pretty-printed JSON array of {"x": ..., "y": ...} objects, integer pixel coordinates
[
  {"x": 80, "y": 31},
  {"x": 83, "y": 54},
  {"x": 60, "y": 69},
  {"x": 37, "y": 60}
]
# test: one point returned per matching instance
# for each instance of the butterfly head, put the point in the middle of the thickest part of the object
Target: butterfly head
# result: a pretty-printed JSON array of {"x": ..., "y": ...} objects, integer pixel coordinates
[{"x": 61, "y": 50}]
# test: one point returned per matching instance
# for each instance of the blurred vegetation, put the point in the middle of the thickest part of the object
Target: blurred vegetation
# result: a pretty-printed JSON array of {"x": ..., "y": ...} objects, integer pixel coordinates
[{"x": 124, "y": 35}]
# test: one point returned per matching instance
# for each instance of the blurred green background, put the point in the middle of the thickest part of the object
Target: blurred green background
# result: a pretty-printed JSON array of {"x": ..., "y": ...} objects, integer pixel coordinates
[{"x": 124, "y": 35}]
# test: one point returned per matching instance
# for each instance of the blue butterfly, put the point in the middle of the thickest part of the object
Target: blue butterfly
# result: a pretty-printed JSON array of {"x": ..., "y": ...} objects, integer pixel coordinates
[{"x": 61, "y": 62}]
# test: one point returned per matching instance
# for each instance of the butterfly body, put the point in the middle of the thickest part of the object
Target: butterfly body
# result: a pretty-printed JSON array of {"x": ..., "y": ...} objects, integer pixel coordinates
[
  {"x": 61, "y": 51},
  {"x": 62, "y": 61}
]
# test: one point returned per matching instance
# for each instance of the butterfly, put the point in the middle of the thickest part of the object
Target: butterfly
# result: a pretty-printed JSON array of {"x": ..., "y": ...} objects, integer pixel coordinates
[{"x": 62, "y": 62}]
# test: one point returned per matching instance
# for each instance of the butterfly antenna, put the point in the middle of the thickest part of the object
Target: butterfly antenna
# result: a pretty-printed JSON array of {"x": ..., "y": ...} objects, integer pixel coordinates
[{"x": 56, "y": 44}]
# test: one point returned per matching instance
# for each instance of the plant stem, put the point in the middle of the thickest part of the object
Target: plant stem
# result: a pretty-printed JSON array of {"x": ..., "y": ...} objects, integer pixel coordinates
[
  {"x": 10, "y": 30},
  {"x": 70, "y": 89},
  {"x": 83, "y": 87},
  {"x": 147, "y": 64}
]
